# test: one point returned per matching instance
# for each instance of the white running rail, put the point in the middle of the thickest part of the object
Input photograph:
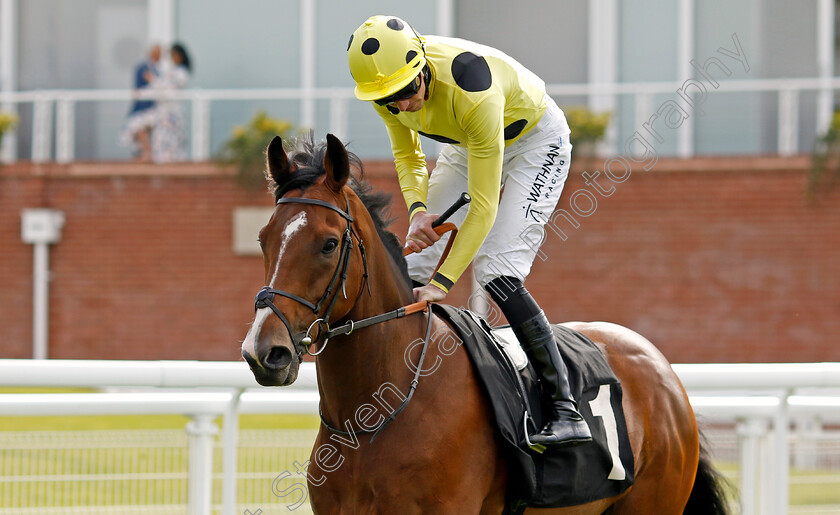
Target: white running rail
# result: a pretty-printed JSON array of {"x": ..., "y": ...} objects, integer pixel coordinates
[{"x": 762, "y": 398}]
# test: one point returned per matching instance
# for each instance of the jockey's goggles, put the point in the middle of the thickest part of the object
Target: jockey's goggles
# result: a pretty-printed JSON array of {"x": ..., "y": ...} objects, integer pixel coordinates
[{"x": 403, "y": 94}]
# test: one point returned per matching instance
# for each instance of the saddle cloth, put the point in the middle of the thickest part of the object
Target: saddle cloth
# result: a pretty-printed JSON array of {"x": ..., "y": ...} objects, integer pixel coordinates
[{"x": 558, "y": 477}]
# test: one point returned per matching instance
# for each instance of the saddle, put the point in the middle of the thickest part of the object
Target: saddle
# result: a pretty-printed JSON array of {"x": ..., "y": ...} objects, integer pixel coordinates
[{"x": 551, "y": 477}]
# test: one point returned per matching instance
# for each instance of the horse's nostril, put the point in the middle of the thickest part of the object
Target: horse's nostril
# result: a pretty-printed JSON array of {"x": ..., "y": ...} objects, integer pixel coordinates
[{"x": 278, "y": 357}]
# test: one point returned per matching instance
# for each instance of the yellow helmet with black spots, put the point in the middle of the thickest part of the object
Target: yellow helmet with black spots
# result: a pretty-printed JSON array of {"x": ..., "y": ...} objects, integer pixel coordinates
[{"x": 385, "y": 54}]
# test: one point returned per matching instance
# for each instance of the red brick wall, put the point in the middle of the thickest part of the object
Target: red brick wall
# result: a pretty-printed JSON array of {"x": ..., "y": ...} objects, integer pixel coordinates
[
  {"x": 712, "y": 260},
  {"x": 712, "y": 266}
]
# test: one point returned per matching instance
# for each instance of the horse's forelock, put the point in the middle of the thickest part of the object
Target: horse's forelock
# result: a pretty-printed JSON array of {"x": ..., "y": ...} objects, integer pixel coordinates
[{"x": 307, "y": 162}]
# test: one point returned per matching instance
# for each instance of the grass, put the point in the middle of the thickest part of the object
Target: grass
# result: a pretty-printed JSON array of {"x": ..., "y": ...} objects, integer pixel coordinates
[
  {"x": 118, "y": 422},
  {"x": 806, "y": 487},
  {"x": 819, "y": 493}
]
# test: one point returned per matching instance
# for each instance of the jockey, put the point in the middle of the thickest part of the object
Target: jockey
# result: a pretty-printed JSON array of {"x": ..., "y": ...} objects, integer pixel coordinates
[{"x": 501, "y": 131}]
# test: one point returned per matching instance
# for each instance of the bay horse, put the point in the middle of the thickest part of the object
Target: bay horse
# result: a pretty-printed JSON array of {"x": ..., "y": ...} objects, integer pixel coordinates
[{"x": 327, "y": 248}]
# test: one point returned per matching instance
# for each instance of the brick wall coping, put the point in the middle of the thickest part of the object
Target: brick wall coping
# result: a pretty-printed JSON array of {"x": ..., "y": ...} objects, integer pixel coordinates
[{"x": 380, "y": 168}]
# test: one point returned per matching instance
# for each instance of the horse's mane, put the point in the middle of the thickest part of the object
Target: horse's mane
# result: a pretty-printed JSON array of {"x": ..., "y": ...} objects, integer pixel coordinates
[{"x": 308, "y": 159}]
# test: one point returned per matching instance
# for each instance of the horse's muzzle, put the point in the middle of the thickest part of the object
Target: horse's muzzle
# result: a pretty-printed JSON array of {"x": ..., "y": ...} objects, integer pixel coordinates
[{"x": 279, "y": 367}]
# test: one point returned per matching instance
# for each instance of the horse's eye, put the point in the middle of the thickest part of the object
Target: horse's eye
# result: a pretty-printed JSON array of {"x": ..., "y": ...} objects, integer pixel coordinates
[{"x": 330, "y": 246}]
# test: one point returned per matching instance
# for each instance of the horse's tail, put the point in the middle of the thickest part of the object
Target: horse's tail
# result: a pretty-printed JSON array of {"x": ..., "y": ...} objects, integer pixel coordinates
[{"x": 708, "y": 495}]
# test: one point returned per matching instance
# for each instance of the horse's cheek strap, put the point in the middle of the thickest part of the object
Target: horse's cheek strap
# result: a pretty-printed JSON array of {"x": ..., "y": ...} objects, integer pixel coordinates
[{"x": 340, "y": 275}]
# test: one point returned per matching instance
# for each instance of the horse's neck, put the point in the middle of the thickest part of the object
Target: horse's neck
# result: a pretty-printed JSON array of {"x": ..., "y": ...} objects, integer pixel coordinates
[{"x": 357, "y": 366}]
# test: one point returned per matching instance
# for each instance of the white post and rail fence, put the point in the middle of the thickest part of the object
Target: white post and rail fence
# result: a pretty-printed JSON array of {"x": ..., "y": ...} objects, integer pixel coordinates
[
  {"x": 54, "y": 111},
  {"x": 762, "y": 400}
]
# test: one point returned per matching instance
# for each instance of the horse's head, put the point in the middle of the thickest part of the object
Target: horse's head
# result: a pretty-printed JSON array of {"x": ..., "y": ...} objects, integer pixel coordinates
[{"x": 314, "y": 266}]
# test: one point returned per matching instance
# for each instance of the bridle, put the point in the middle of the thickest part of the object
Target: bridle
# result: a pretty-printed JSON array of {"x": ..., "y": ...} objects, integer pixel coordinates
[{"x": 265, "y": 297}]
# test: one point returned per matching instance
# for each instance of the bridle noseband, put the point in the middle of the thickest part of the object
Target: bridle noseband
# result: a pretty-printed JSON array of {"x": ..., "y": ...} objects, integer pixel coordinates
[{"x": 265, "y": 297}]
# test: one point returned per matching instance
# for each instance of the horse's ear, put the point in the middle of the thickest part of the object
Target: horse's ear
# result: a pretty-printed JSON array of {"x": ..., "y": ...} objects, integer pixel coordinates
[
  {"x": 336, "y": 163},
  {"x": 277, "y": 162}
]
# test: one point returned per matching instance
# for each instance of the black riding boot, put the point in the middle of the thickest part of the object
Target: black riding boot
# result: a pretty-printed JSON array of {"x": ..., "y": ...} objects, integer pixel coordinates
[{"x": 565, "y": 425}]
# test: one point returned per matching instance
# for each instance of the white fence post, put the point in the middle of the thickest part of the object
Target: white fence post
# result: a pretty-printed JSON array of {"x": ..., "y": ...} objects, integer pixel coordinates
[
  {"x": 750, "y": 433},
  {"x": 807, "y": 433},
  {"x": 788, "y": 131},
  {"x": 8, "y": 149},
  {"x": 202, "y": 432},
  {"x": 230, "y": 439},
  {"x": 781, "y": 458},
  {"x": 65, "y": 130},
  {"x": 42, "y": 129},
  {"x": 644, "y": 110},
  {"x": 200, "y": 128}
]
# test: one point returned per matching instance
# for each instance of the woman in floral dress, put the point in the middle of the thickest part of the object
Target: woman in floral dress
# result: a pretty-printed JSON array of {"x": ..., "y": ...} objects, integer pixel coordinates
[{"x": 168, "y": 135}]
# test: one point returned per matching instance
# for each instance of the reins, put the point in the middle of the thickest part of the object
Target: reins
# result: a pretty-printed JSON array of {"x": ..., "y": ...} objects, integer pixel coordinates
[
  {"x": 404, "y": 311},
  {"x": 410, "y": 309},
  {"x": 411, "y": 387}
]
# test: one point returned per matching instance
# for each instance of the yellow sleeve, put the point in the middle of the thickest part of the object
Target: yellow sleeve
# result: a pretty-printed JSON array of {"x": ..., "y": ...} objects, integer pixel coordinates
[
  {"x": 485, "y": 148},
  {"x": 409, "y": 161}
]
